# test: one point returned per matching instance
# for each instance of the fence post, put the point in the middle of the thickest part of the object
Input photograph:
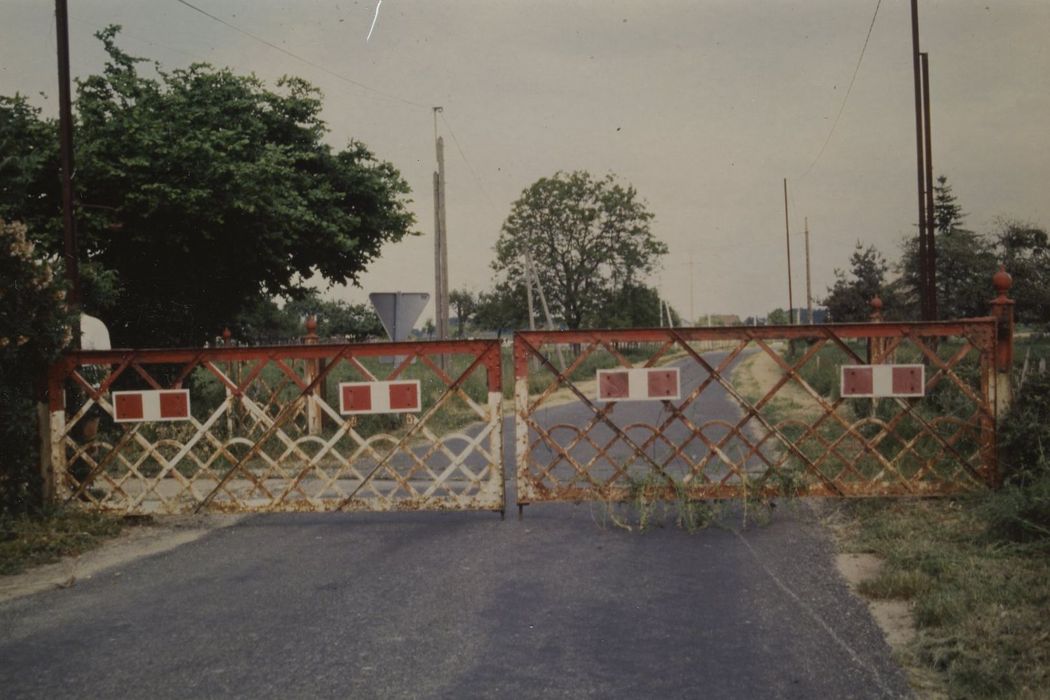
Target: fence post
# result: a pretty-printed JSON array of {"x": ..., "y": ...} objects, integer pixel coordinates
[
  {"x": 313, "y": 368},
  {"x": 43, "y": 422},
  {"x": 232, "y": 373},
  {"x": 875, "y": 346},
  {"x": 51, "y": 413},
  {"x": 1003, "y": 312}
]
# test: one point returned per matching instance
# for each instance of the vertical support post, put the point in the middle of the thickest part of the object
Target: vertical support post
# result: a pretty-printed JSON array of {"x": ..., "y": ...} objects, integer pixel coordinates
[
  {"x": 494, "y": 369},
  {"x": 931, "y": 219},
  {"x": 43, "y": 423},
  {"x": 809, "y": 286},
  {"x": 53, "y": 436},
  {"x": 875, "y": 345},
  {"x": 521, "y": 428},
  {"x": 313, "y": 369},
  {"x": 65, "y": 133},
  {"x": 227, "y": 341},
  {"x": 787, "y": 233},
  {"x": 1003, "y": 312}
]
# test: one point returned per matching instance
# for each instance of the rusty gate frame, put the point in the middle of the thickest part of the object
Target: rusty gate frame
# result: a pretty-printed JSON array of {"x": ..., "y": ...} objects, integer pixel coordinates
[
  {"x": 60, "y": 447},
  {"x": 991, "y": 337}
]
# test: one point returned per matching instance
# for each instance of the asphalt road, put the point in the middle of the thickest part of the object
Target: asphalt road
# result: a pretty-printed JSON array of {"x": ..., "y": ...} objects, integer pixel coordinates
[{"x": 453, "y": 605}]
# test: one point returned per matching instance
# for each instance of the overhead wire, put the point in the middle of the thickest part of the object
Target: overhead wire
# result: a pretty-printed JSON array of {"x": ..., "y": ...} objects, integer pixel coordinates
[
  {"x": 849, "y": 89},
  {"x": 299, "y": 58},
  {"x": 466, "y": 160}
]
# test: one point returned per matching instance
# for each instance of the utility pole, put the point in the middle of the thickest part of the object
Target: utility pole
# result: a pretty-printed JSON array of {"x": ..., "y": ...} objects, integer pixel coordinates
[
  {"x": 528, "y": 290},
  {"x": 65, "y": 134},
  {"x": 931, "y": 218},
  {"x": 692, "y": 311},
  {"x": 531, "y": 276},
  {"x": 440, "y": 240},
  {"x": 927, "y": 274},
  {"x": 787, "y": 231},
  {"x": 809, "y": 287}
]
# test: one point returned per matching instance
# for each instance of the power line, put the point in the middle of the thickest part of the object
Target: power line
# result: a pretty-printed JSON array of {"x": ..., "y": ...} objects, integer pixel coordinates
[
  {"x": 467, "y": 161},
  {"x": 297, "y": 57},
  {"x": 852, "y": 80}
]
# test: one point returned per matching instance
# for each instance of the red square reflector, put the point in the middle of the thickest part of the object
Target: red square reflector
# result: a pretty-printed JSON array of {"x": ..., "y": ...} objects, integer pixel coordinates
[
  {"x": 662, "y": 383},
  {"x": 174, "y": 404},
  {"x": 857, "y": 380},
  {"x": 907, "y": 380},
  {"x": 613, "y": 385},
  {"x": 357, "y": 398},
  {"x": 404, "y": 396},
  {"x": 128, "y": 407}
]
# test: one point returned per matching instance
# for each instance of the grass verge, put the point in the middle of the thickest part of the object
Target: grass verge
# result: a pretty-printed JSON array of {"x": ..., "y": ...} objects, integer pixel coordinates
[
  {"x": 27, "y": 541},
  {"x": 980, "y": 603}
]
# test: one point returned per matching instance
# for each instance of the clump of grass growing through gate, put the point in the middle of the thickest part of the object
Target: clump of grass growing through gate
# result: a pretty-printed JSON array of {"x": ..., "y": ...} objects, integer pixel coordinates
[{"x": 653, "y": 500}]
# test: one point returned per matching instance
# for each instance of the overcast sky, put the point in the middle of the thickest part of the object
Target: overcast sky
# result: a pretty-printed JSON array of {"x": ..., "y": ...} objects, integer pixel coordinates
[{"x": 704, "y": 106}]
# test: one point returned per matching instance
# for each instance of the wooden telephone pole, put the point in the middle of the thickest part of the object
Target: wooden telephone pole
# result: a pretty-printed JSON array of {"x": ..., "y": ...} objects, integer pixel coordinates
[
  {"x": 70, "y": 254},
  {"x": 809, "y": 287},
  {"x": 440, "y": 240},
  {"x": 787, "y": 232},
  {"x": 924, "y": 174}
]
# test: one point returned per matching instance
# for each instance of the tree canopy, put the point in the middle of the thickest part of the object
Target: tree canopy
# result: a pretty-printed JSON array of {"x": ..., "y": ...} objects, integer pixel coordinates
[
  {"x": 1024, "y": 249},
  {"x": 199, "y": 191},
  {"x": 589, "y": 240},
  {"x": 965, "y": 262},
  {"x": 265, "y": 321},
  {"x": 849, "y": 299}
]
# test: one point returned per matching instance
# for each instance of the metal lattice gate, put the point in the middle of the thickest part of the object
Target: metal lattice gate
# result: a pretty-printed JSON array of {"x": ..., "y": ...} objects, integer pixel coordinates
[
  {"x": 740, "y": 411},
  {"x": 309, "y": 427}
]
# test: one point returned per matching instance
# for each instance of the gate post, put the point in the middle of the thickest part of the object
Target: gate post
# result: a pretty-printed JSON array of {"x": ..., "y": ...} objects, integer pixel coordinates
[
  {"x": 875, "y": 345},
  {"x": 521, "y": 428},
  {"x": 1003, "y": 312},
  {"x": 313, "y": 368},
  {"x": 51, "y": 414}
]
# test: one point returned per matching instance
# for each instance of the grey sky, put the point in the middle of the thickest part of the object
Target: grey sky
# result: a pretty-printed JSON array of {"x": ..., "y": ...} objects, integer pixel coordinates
[{"x": 703, "y": 106}]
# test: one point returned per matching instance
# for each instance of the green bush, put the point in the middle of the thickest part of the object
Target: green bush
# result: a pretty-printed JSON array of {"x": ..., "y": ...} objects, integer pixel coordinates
[
  {"x": 34, "y": 327},
  {"x": 1021, "y": 510}
]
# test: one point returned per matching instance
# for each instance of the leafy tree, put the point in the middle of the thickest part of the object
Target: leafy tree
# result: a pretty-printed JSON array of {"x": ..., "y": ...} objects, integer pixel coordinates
[
  {"x": 589, "y": 239},
  {"x": 502, "y": 308},
  {"x": 29, "y": 184},
  {"x": 265, "y": 321},
  {"x": 637, "y": 306},
  {"x": 465, "y": 304},
  {"x": 202, "y": 190},
  {"x": 34, "y": 327},
  {"x": 965, "y": 262},
  {"x": 1025, "y": 251},
  {"x": 778, "y": 317},
  {"x": 849, "y": 299}
]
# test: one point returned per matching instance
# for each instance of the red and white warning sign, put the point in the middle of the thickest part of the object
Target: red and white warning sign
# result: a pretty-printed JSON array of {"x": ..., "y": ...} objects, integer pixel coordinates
[
  {"x": 357, "y": 398},
  {"x": 882, "y": 381},
  {"x": 639, "y": 384},
  {"x": 153, "y": 405}
]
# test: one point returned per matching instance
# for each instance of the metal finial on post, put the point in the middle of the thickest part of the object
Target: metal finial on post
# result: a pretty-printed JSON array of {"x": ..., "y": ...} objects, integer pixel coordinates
[
  {"x": 875, "y": 345},
  {"x": 311, "y": 329},
  {"x": 227, "y": 336},
  {"x": 1003, "y": 312},
  {"x": 876, "y": 309}
]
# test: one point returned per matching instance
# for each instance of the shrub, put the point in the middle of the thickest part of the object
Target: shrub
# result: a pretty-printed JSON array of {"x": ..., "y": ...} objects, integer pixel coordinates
[
  {"x": 1021, "y": 510},
  {"x": 34, "y": 327}
]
